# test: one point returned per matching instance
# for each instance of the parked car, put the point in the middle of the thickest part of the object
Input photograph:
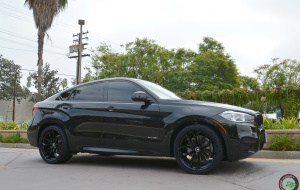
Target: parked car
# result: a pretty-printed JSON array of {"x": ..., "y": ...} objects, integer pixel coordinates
[{"x": 137, "y": 117}]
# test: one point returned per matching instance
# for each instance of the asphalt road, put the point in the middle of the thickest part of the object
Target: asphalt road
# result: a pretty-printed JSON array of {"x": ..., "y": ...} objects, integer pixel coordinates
[{"x": 24, "y": 169}]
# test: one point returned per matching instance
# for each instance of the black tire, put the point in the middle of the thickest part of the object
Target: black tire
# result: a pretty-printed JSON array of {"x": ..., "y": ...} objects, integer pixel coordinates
[
  {"x": 198, "y": 149},
  {"x": 53, "y": 145}
]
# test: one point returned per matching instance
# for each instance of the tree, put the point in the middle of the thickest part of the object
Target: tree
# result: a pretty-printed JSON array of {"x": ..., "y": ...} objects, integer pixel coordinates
[
  {"x": 142, "y": 59},
  {"x": 10, "y": 87},
  {"x": 44, "y": 12},
  {"x": 212, "y": 69},
  {"x": 210, "y": 44},
  {"x": 250, "y": 83},
  {"x": 50, "y": 83},
  {"x": 279, "y": 73},
  {"x": 176, "y": 69}
]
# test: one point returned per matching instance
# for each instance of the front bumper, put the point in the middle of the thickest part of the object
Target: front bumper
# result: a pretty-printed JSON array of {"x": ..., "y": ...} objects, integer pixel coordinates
[{"x": 246, "y": 146}]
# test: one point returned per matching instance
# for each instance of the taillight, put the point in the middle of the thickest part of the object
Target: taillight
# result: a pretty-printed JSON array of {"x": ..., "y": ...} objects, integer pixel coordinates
[{"x": 34, "y": 109}]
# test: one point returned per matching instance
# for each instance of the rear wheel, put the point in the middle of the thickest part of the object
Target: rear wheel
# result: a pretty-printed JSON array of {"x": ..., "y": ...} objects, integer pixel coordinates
[
  {"x": 53, "y": 145},
  {"x": 198, "y": 149}
]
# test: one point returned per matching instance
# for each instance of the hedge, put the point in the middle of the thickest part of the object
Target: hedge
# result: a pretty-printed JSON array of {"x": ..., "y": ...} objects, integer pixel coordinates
[{"x": 286, "y": 98}]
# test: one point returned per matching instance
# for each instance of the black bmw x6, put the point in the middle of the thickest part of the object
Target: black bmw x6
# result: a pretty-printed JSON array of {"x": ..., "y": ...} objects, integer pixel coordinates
[{"x": 137, "y": 117}]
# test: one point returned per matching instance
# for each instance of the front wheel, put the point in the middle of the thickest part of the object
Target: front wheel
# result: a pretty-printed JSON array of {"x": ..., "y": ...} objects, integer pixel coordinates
[
  {"x": 53, "y": 145},
  {"x": 198, "y": 149}
]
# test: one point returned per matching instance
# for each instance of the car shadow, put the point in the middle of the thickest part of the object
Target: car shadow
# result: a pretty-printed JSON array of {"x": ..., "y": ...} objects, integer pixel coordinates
[{"x": 156, "y": 163}]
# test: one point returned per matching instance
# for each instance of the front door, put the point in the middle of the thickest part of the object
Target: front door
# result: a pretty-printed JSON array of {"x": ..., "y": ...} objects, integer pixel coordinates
[{"x": 129, "y": 125}]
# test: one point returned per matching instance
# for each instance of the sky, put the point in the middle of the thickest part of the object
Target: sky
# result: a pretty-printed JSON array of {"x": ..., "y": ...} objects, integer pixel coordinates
[{"x": 252, "y": 31}]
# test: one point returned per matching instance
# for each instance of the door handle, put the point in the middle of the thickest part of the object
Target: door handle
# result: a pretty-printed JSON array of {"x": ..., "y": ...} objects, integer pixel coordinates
[
  {"x": 110, "y": 108},
  {"x": 66, "y": 107}
]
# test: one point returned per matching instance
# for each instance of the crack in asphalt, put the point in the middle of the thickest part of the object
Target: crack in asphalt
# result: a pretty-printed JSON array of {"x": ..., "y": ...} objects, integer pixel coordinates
[{"x": 13, "y": 160}]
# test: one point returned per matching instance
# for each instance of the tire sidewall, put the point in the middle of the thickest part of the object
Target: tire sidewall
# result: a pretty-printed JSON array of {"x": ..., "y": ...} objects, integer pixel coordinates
[{"x": 217, "y": 144}]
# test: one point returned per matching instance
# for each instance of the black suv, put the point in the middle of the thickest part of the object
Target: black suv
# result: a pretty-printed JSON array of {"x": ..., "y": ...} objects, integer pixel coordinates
[{"x": 137, "y": 117}]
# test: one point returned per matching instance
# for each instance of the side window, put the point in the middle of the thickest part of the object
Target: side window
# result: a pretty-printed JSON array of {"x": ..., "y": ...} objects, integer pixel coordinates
[
  {"x": 65, "y": 96},
  {"x": 121, "y": 91},
  {"x": 87, "y": 93}
]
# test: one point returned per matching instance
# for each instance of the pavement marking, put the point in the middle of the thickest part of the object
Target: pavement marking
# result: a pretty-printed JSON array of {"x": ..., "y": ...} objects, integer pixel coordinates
[{"x": 6, "y": 168}]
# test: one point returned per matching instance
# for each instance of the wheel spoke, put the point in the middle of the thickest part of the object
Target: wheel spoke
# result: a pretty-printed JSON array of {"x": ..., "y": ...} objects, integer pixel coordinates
[
  {"x": 188, "y": 139},
  {"x": 195, "y": 137},
  {"x": 206, "y": 145},
  {"x": 198, "y": 159},
  {"x": 192, "y": 160}
]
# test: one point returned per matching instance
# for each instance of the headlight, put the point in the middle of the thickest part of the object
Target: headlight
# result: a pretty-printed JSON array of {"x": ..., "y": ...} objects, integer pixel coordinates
[{"x": 237, "y": 116}]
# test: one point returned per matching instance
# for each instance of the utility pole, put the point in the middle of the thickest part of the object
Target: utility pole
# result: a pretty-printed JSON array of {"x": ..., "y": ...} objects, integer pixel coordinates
[
  {"x": 14, "y": 100},
  {"x": 78, "y": 47}
]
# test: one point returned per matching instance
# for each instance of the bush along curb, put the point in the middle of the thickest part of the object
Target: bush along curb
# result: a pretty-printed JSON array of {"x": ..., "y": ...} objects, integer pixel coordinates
[{"x": 16, "y": 145}]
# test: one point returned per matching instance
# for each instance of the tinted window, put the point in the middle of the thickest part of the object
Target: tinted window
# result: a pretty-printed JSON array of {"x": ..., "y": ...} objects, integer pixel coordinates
[
  {"x": 65, "y": 96},
  {"x": 87, "y": 93},
  {"x": 121, "y": 91}
]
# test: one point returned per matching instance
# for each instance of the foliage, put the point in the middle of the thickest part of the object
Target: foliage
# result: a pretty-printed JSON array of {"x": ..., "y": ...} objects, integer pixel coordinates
[
  {"x": 13, "y": 139},
  {"x": 284, "y": 143},
  {"x": 256, "y": 99},
  {"x": 8, "y": 126},
  {"x": 286, "y": 72},
  {"x": 50, "y": 83},
  {"x": 13, "y": 125},
  {"x": 289, "y": 123},
  {"x": 249, "y": 83},
  {"x": 213, "y": 71},
  {"x": 24, "y": 125},
  {"x": 175, "y": 69},
  {"x": 10, "y": 75}
]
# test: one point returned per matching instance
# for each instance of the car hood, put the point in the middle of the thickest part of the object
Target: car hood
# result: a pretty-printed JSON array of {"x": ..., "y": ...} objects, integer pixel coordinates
[{"x": 213, "y": 104}]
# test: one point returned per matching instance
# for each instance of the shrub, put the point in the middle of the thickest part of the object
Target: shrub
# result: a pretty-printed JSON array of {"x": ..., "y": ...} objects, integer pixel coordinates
[
  {"x": 289, "y": 123},
  {"x": 13, "y": 125},
  {"x": 24, "y": 125},
  {"x": 13, "y": 139},
  {"x": 284, "y": 143},
  {"x": 8, "y": 126}
]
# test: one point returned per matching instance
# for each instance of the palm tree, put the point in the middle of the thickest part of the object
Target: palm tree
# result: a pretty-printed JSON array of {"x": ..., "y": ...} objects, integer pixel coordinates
[{"x": 44, "y": 12}]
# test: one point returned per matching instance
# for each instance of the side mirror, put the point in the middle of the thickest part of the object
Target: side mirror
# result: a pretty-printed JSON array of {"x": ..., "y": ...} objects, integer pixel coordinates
[{"x": 139, "y": 96}]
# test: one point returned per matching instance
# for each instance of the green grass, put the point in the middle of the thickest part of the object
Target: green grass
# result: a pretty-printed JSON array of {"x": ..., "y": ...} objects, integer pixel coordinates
[
  {"x": 13, "y": 139},
  {"x": 284, "y": 143}
]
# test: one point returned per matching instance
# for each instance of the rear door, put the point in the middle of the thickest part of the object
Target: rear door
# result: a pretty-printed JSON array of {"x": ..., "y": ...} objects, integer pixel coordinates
[{"x": 84, "y": 106}]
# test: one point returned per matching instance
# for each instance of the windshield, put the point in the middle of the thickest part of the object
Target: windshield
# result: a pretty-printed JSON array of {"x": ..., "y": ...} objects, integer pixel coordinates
[{"x": 161, "y": 92}]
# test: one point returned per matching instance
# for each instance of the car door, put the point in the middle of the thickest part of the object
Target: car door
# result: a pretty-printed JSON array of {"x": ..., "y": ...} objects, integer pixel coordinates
[
  {"x": 127, "y": 124},
  {"x": 84, "y": 107}
]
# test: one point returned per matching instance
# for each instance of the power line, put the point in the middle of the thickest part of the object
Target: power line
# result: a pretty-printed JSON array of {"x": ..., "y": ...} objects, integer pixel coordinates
[
  {"x": 26, "y": 38},
  {"x": 24, "y": 44},
  {"x": 56, "y": 74},
  {"x": 64, "y": 26}
]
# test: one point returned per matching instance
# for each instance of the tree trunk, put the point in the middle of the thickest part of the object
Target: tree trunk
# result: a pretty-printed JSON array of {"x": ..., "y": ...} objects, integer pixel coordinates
[{"x": 41, "y": 36}]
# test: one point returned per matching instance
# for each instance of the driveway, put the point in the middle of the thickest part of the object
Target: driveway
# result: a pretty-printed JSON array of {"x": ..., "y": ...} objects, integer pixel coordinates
[{"x": 24, "y": 169}]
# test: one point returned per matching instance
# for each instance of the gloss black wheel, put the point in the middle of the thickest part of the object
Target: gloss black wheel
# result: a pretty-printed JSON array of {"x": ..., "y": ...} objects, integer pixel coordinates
[
  {"x": 53, "y": 145},
  {"x": 198, "y": 149}
]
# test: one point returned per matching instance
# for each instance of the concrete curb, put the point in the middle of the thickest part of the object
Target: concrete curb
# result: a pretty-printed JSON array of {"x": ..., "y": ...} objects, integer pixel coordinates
[
  {"x": 277, "y": 154},
  {"x": 17, "y": 145}
]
